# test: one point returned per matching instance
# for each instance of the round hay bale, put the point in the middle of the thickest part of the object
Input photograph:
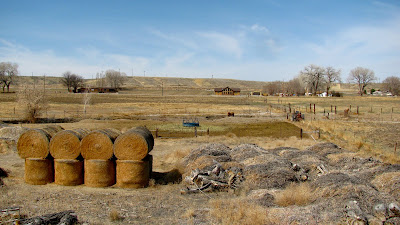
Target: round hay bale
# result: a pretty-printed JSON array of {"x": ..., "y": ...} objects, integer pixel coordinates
[
  {"x": 99, "y": 144},
  {"x": 66, "y": 144},
  {"x": 38, "y": 171},
  {"x": 133, "y": 173},
  {"x": 134, "y": 144},
  {"x": 68, "y": 172},
  {"x": 99, "y": 172},
  {"x": 34, "y": 143}
]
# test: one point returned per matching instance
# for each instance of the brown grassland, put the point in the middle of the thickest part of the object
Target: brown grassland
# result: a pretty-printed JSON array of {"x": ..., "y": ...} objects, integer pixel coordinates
[{"x": 373, "y": 131}]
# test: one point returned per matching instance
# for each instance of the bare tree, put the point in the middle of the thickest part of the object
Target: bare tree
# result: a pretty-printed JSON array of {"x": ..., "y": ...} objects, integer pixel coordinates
[
  {"x": 362, "y": 77},
  {"x": 77, "y": 81},
  {"x": 392, "y": 84},
  {"x": 100, "y": 79},
  {"x": 86, "y": 100},
  {"x": 331, "y": 76},
  {"x": 313, "y": 76},
  {"x": 8, "y": 74},
  {"x": 295, "y": 87},
  {"x": 33, "y": 101},
  {"x": 272, "y": 88},
  {"x": 72, "y": 81},
  {"x": 66, "y": 80},
  {"x": 115, "y": 79}
]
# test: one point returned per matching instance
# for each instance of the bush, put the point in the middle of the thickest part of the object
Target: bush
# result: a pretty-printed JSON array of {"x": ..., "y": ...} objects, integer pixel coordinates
[
  {"x": 33, "y": 101},
  {"x": 337, "y": 94}
]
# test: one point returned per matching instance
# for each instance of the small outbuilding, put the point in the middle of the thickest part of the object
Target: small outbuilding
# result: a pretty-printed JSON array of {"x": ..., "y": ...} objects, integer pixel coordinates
[
  {"x": 227, "y": 91},
  {"x": 97, "y": 90}
]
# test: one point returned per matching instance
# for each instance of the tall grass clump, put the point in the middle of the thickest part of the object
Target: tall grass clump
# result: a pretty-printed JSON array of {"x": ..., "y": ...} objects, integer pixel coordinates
[
  {"x": 295, "y": 194},
  {"x": 237, "y": 211}
]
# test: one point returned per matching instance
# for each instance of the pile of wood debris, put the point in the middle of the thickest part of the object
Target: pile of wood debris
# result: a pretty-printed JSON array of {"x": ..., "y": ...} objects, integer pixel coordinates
[{"x": 217, "y": 179}]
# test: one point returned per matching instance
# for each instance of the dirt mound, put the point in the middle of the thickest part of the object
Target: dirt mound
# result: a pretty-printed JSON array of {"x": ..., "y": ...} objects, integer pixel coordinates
[
  {"x": 268, "y": 176},
  {"x": 245, "y": 151},
  {"x": 388, "y": 183},
  {"x": 324, "y": 149},
  {"x": 294, "y": 153},
  {"x": 373, "y": 170},
  {"x": 267, "y": 158},
  {"x": 220, "y": 153},
  {"x": 12, "y": 133}
]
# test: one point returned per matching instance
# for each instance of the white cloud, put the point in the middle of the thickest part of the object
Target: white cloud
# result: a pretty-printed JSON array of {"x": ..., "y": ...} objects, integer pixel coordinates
[
  {"x": 223, "y": 42},
  {"x": 87, "y": 62},
  {"x": 367, "y": 46},
  {"x": 259, "y": 28}
]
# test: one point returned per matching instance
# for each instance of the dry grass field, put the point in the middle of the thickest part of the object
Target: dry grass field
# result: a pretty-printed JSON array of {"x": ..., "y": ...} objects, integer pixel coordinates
[{"x": 374, "y": 132}]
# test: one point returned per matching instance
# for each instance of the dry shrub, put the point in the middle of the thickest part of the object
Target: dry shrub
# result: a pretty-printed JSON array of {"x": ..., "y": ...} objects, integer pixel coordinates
[
  {"x": 231, "y": 135},
  {"x": 33, "y": 101},
  {"x": 238, "y": 211},
  {"x": 295, "y": 194},
  {"x": 114, "y": 216}
]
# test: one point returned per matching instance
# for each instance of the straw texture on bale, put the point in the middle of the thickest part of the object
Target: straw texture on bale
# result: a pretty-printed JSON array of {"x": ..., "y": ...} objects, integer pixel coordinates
[
  {"x": 68, "y": 172},
  {"x": 133, "y": 173},
  {"x": 99, "y": 172},
  {"x": 66, "y": 144},
  {"x": 99, "y": 144},
  {"x": 34, "y": 143},
  {"x": 38, "y": 171},
  {"x": 134, "y": 144}
]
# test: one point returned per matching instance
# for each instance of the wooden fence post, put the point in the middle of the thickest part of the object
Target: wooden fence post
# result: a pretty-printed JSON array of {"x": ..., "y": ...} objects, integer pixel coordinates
[
  {"x": 301, "y": 133},
  {"x": 319, "y": 134},
  {"x": 156, "y": 132},
  {"x": 357, "y": 110},
  {"x": 335, "y": 109},
  {"x": 208, "y": 131},
  {"x": 195, "y": 131},
  {"x": 314, "y": 108}
]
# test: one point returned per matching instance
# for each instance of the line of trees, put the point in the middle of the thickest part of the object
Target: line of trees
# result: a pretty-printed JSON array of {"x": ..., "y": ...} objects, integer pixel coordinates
[
  {"x": 315, "y": 79},
  {"x": 112, "y": 78}
]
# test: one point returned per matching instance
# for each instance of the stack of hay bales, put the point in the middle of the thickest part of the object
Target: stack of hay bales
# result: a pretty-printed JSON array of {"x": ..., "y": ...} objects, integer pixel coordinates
[
  {"x": 33, "y": 146},
  {"x": 97, "y": 150},
  {"x": 134, "y": 164},
  {"x": 65, "y": 149},
  {"x": 99, "y": 158}
]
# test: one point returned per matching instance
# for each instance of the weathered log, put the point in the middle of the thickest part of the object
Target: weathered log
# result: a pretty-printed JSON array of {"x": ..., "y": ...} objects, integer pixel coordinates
[{"x": 65, "y": 218}]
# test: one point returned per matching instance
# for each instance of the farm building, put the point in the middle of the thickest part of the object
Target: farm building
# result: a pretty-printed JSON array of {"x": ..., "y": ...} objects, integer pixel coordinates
[
  {"x": 97, "y": 90},
  {"x": 227, "y": 91}
]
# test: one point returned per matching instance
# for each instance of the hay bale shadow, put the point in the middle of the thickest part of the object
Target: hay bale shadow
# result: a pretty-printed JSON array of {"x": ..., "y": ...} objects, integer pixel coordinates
[{"x": 163, "y": 178}]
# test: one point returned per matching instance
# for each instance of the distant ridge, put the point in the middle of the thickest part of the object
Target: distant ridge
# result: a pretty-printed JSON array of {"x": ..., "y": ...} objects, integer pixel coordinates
[{"x": 156, "y": 82}]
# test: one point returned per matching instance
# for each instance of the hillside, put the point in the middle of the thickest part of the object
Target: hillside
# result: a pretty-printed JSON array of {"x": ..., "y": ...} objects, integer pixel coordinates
[{"x": 155, "y": 82}]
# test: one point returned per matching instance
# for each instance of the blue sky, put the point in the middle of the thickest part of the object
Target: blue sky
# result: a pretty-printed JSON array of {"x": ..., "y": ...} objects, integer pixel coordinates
[{"x": 263, "y": 40}]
